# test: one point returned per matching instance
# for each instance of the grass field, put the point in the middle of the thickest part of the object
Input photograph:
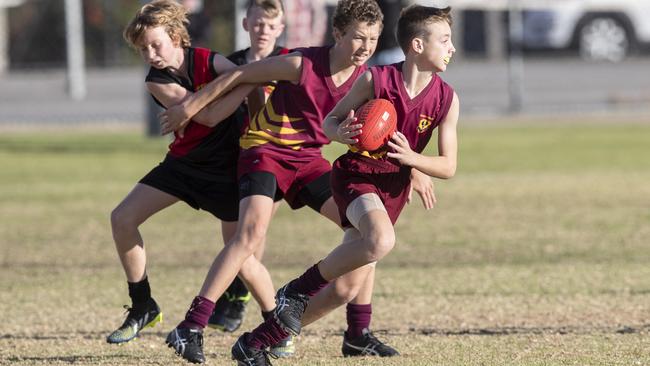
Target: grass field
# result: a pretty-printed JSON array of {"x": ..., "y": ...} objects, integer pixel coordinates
[{"x": 536, "y": 254}]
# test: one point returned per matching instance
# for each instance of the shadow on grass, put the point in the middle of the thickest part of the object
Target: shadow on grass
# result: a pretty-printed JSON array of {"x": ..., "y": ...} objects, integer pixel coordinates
[
  {"x": 503, "y": 331},
  {"x": 495, "y": 331},
  {"x": 99, "y": 335},
  {"x": 499, "y": 331},
  {"x": 74, "y": 359}
]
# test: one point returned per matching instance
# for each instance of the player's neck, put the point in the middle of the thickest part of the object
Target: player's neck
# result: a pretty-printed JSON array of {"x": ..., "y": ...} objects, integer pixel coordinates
[
  {"x": 179, "y": 65},
  {"x": 258, "y": 53},
  {"x": 415, "y": 79},
  {"x": 341, "y": 67}
]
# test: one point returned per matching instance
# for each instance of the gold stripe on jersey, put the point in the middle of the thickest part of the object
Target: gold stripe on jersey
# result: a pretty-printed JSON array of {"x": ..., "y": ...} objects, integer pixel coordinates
[
  {"x": 263, "y": 123},
  {"x": 378, "y": 154},
  {"x": 259, "y": 132},
  {"x": 257, "y": 138}
]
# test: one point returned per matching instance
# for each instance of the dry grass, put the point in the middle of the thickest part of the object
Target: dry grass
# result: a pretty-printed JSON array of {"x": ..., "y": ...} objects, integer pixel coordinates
[{"x": 536, "y": 254}]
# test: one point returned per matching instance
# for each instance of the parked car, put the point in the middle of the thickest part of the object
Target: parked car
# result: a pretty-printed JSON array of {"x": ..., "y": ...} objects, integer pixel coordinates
[{"x": 599, "y": 29}]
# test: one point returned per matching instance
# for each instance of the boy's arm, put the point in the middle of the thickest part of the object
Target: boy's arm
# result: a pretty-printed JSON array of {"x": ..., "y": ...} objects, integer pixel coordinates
[
  {"x": 173, "y": 94},
  {"x": 442, "y": 166},
  {"x": 339, "y": 123},
  {"x": 215, "y": 112},
  {"x": 285, "y": 67}
]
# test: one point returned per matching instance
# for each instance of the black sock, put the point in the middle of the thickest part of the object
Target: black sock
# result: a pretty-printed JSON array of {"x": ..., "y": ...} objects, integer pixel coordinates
[
  {"x": 267, "y": 314},
  {"x": 139, "y": 292},
  {"x": 237, "y": 289}
]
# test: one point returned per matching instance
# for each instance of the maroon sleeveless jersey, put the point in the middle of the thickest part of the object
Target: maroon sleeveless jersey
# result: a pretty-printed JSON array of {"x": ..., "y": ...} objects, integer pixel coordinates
[
  {"x": 417, "y": 117},
  {"x": 355, "y": 173},
  {"x": 291, "y": 121},
  {"x": 213, "y": 149}
]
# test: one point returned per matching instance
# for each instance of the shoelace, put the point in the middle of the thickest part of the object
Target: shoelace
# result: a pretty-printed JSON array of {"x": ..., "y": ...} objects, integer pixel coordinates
[
  {"x": 264, "y": 354},
  {"x": 195, "y": 337},
  {"x": 130, "y": 315},
  {"x": 268, "y": 354},
  {"x": 301, "y": 304}
]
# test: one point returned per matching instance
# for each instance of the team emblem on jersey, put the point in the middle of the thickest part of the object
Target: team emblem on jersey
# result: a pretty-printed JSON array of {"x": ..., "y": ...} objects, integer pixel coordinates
[{"x": 425, "y": 123}]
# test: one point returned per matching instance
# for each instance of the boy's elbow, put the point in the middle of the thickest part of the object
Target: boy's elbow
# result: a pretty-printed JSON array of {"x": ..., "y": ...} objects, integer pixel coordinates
[{"x": 449, "y": 172}]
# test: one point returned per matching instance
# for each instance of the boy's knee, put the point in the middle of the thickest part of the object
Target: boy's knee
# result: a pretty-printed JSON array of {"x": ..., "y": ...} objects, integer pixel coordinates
[
  {"x": 250, "y": 239},
  {"x": 248, "y": 269},
  {"x": 120, "y": 219},
  {"x": 379, "y": 245},
  {"x": 345, "y": 293}
]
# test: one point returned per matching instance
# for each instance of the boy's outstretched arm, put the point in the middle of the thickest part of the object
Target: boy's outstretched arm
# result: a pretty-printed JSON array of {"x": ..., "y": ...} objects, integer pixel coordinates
[
  {"x": 213, "y": 113},
  {"x": 442, "y": 166},
  {"x": 285, "y": 67},
  {"x": 339, "y": 124}
]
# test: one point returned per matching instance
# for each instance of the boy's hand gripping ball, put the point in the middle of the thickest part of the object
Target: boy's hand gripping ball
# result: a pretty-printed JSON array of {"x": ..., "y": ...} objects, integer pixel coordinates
[{"x": 379, "y": 120}]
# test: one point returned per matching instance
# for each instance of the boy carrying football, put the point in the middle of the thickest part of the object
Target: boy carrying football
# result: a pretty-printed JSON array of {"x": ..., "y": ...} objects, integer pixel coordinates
[{"x": 372, "y": 188}]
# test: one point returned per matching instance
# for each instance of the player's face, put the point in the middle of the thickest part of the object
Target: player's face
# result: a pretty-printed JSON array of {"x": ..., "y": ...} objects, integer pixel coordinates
[
  {"x": 438, "y": 47},
  {"x": 359, "y": 41},
  {"x": 157, "y": 48},
  {"x": 262, "y": 29}
]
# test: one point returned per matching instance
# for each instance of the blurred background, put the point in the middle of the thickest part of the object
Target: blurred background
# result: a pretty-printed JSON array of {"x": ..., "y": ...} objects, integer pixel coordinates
[
  {"x": 536, "y": 253},
  {"x": 65, "y": 62}
]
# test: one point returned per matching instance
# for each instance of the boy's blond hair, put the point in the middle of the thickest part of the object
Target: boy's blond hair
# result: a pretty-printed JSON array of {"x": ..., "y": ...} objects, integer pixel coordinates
[
  {"x": 349, "y": 11},
  {"x": 165, "y": 13},
  {"x": 272, "y": 8},
  {"x": 413, "y": 22}
]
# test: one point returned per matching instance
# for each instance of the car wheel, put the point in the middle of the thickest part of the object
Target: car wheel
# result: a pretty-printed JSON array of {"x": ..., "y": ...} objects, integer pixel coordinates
[{"x": 603, "y": 38}]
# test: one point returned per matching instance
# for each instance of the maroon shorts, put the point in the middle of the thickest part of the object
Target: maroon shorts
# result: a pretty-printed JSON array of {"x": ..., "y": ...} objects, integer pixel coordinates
[
  {"x": 292, "y": 174},
  {"x": 354, "y": 175}
]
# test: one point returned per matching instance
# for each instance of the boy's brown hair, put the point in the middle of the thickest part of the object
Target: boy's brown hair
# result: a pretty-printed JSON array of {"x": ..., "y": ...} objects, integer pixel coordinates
[
  {"x": 272, "y": 8},
  {"x": 165, "y": 13},
  {"x": 348, "y": 11},
  {"x": 413, "y": 22}
]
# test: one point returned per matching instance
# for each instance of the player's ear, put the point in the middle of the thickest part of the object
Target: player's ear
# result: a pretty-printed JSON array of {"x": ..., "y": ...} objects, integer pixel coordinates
[
  {"x": 417, "y": 44},
  {"x": 337, "y": 34},
  {"x": 244, "y": 23}
]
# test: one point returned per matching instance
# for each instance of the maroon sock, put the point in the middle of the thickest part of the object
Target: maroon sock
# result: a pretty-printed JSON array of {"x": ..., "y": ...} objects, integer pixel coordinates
[
  {"x": 198, "y": 314},
  {"x": 310, "y": 282},
  {"x": 266, "y": 334},
  {"x": 358, "y": 319}
]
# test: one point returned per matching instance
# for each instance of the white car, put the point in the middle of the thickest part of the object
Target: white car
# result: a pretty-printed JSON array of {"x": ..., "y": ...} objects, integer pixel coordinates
[{"x": 599, "y": 29}]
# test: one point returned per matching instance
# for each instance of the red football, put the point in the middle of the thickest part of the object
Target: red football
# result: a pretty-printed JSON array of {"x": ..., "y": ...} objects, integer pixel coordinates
[{"x": 379, "y": 120}]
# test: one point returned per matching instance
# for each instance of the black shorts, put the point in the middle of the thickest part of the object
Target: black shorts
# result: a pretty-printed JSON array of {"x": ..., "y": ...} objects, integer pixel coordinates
[
  {"x": 313, "y": 194},
  {"x": 217, "y": 194}
]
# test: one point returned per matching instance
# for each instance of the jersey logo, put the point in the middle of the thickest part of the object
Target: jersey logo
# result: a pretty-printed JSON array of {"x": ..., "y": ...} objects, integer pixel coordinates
[{"x": 425, "y": 123}]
